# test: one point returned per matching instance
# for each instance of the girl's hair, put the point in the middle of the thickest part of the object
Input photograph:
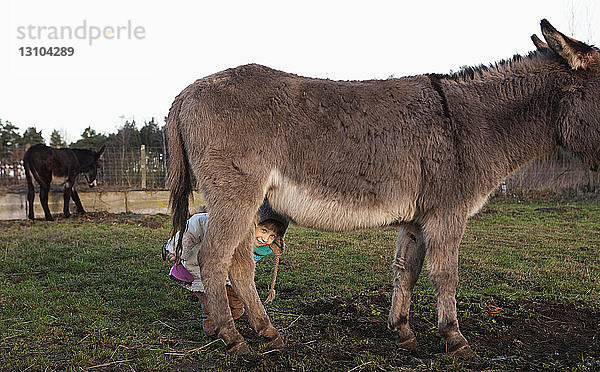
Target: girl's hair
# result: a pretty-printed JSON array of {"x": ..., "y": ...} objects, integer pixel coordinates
[{"x": 274, "y": 225}]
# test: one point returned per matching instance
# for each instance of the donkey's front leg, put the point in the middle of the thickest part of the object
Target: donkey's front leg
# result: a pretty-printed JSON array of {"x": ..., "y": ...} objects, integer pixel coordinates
[
  {"x": 241, "y": 274},
  {"x": 442, "y": 237},
  {"x": 77, "y": 201},
  {"x": 44, "y": 190},
  {"x": 410, "y": 252}
]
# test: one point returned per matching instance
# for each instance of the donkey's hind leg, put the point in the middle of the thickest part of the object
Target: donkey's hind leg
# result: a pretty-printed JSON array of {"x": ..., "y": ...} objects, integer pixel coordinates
[
  {"x": 241, "y": 274},
  {"x": 232, "y": 207},
  {"x": 215, "y": 258},
  {"x": 44, "y": 190},
  {"x": 30, "y": 197},
  {"x": 410, "y": 253}
]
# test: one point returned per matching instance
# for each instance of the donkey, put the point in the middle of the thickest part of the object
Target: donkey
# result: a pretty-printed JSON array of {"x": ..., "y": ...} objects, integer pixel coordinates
[
  {"x": 423, "y": 151},
  {"x": 46, "y": 164}
]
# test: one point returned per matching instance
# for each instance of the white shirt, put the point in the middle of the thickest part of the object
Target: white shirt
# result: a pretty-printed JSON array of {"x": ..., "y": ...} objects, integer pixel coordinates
[{"x": 192, "y": 239}]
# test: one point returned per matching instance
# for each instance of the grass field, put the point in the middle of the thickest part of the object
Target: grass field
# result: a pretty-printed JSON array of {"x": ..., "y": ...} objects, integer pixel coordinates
[{"x": 91, "y": 293}]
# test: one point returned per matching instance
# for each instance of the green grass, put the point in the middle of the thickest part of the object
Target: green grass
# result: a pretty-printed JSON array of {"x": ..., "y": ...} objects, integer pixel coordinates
[
  {"x": 78, "y": 294},
  {"x": 534, "y": 250}
]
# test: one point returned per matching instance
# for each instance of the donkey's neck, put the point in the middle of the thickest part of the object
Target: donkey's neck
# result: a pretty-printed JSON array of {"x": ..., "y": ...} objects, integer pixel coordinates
[{"x": 503, "y": 114}]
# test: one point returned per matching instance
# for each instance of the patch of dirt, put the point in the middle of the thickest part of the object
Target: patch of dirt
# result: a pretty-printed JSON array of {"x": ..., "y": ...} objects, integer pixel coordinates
[
  {"x": 151, "y": 221},
  {"x": 533, "y": 333},
  {"x": 505, "y": 334}
]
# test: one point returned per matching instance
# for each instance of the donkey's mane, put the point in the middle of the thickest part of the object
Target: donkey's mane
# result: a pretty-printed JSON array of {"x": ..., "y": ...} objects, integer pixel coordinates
[{"x": 469, "y": 73}]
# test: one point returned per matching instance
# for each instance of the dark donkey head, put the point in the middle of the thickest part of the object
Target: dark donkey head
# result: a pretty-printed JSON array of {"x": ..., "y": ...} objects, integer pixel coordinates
[
  {"x": 88, "y": 163},
  {"x": 579, "y": 110}
]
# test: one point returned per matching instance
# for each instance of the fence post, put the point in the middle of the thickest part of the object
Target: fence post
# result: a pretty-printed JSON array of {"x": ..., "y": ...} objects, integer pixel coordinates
[
  {"x": 143, "y": 165},
  {"x": 164, "y": 144}
]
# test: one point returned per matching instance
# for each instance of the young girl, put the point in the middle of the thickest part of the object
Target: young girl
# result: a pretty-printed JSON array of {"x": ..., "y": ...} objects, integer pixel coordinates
[{"x": 269, "y": 234}]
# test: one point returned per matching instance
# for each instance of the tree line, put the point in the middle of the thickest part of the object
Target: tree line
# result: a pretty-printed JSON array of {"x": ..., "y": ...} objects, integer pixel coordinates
[{"x": 128, "y": 135}]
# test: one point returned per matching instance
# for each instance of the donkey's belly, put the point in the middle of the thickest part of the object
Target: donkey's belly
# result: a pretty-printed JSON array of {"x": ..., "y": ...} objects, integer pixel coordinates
[
  {"x": 311, "y": 208},
  {"x": 58, "y": 180}
]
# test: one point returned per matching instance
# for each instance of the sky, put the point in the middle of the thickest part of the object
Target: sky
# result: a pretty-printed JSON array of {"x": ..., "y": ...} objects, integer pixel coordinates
[{"x": 131, "y": 58}]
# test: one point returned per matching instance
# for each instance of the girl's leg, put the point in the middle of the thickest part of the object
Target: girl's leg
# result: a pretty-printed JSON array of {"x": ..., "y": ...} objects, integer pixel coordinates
[
  {"x": 207, "y": 324},
  {"x": 235, "y": 304}
]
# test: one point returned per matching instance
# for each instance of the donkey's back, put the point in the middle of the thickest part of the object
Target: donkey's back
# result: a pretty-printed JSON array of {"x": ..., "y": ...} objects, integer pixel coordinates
[{"x": 331, "y": 155}]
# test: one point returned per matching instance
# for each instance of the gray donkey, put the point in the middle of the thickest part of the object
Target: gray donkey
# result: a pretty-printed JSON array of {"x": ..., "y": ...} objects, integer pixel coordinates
[{"x": 424, "y": 152}]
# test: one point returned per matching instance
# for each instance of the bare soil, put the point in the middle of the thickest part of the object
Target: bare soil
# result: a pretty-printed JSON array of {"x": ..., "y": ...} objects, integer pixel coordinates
[
  {"x": 151, "y": 221},
  {"x": 505, "y": 335}
]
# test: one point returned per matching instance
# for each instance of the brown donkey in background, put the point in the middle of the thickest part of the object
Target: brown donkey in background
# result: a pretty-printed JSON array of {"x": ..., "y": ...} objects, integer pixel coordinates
[
  {"x": 423, "y": 151},
  {"x": 46, "y": 164}
]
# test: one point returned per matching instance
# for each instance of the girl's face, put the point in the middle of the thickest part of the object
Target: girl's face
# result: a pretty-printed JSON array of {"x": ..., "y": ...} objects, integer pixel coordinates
[{"x": 263, "y": 236}]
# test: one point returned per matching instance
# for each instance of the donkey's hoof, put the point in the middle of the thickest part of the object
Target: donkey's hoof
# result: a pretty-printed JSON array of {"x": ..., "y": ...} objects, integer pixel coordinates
[
  {"x": 209, "y": 328},
  {"x": 462, "y": 352},
  {"x": 277, "y": 342},
  {"x": 409, "y": 344},
  {"x": 240, "y": 348},
  {"x": 272, "y": 337}
]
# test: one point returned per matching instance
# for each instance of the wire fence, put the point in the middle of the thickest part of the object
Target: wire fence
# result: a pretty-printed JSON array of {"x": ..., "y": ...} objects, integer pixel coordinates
[
  {"x": 139, "y": 167},
  {"x": 146, "y": 168}
]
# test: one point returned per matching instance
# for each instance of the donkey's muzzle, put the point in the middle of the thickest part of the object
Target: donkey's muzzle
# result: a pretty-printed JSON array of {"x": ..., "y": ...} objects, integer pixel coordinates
[{"x": 93, "y": 183}]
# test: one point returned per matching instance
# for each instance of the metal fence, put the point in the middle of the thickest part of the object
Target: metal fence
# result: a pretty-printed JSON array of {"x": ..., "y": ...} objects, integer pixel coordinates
[
  {"x": 143, "y": 167},
  {"x": 146, "y": 168}
]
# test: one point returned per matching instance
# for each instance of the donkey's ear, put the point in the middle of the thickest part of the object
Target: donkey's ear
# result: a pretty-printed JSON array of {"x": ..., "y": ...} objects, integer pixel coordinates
[
  {"x": 540, "y": 45},
  {"x": 101, "y": 152},
  {"x": 575, "y": 53}
]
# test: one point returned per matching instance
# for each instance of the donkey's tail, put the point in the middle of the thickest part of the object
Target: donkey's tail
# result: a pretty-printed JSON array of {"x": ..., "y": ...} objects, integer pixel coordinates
[
  {"x": 29, "y": 175},
  {"x": 179, "y": 179},
  {"x": 28, "y": 172}
]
